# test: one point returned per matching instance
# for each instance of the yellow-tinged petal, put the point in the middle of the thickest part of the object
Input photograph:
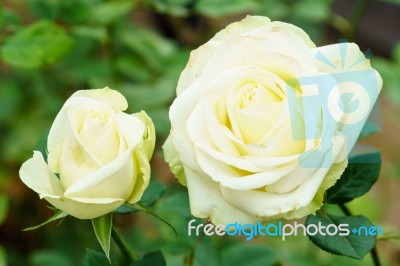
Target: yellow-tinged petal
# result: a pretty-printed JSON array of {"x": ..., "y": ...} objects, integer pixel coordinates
[
  {"x": 206, "y": 201},
  {"x": 106, "y": 181},
  {"x": 142, "y": 155},
  {"x": 106, "y": 96},
  {"x": 85, "y": 208},
  {"x": 171, "y": 156},
  {"x": 37, "y": 176}
]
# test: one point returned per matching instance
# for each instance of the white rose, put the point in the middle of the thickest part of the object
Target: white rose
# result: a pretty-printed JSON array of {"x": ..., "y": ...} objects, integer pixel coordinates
[
  {"x": 232, "y": 139},
  {"x": 100, "y": 153}
]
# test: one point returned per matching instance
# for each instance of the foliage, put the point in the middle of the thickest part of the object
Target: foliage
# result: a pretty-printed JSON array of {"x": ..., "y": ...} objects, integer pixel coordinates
[
  {"x": 354, "y": 246},
  {"x": 51, "y": 48},
  {"x": 390, "y": 71}
]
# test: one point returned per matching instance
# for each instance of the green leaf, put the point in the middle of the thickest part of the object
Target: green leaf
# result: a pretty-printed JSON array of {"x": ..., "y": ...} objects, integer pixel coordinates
[
  {"x": 177, "y": 202},
  {"x": 92, "y": 69},
  {"x": 96, "y": 33},
  {"x": 389, "y": 236},
  {"x": 102, "y": 228},
  {"x": 108, "y": 12},
  {"x": 42, "y": 143},
  {"x": 351, "y": 245},
  {"x": 147, "y": 210},
  {"x": 95, "y": 258},
  {"x": 75, "y": 11},
  {"x": 3, "y": 207},
  {"x": 150, "y": 48},
  {"x": 9, "y": 19},
  {"x": 172, "y": 7},
  {"x": 255, "y": 255},
  {"x": 49, "y": 258},
  {"x": 390, "y": 72},
  {"x": 206, "y": 255},
  {"x": 155, "y": 258},
  {"x": 396, "y": 52},
  {"x": 161, "y": 119},
  {"x": 395, "y": 2},
  {"x": 274, "y": 9},
  {"x": 142, "y": 98},
  {"x": 368, "y": 129},
  {"x": 359, "y": 176},
  {"x": 36, "y": 45},
  {"x": 133, "y": 68},
  {"x": 58, "y": 215},
  {"x": 71, "y": 11},
  {"x": 177, "y": 246},
  {"x": 45, "y": 8},
  {"x": 3, "y": 257},
  {"x": 125, "y": 209},
  {"x": 321, "y": 10},
  {"x": 153, "y": 192},
  {"x": 10, "y": 98},
  {"x": 217, "y": 8}
]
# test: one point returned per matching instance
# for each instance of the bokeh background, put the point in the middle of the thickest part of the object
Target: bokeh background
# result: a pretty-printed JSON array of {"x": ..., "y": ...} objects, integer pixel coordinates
[{"x": 51, "y": 48}]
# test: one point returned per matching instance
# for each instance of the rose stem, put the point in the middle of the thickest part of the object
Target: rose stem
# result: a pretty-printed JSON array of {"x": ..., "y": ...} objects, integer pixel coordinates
[
  {"x": 345, "y": 209},
  {"x": 374, "y": 251},
  {"x": 122, "y": 245},
  {"x": 358, "y": 12}
]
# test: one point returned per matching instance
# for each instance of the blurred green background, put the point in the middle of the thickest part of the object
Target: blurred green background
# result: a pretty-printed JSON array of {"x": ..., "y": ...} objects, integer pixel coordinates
[{"x": 51, "y": 48}]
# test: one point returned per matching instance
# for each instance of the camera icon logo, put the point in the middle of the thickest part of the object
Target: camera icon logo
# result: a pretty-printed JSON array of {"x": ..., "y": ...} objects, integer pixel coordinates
[{"x": 330, "y": 106}]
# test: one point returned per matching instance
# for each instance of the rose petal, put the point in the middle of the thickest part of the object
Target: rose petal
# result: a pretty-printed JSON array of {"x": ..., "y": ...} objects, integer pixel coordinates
[
  {"x": 65, "y": 147},
  {"x": 244, "y": 26},
  {"x": 298, "y": 32},
  {"x": 195, "y": 66},
  {"x": 199, "y": 57},
  {"x": 143, "y": 176},
  {"x": 106, "y": 181},
  {"x": 85, "y": 208},
  {"x": 179, "y": 113},
  {"x": 236, "y": 178},
  {"x": 335, "y": 58},
  {"x": 99, "y": 136},
  {"x": 105, "y": 96},
  {"x": 354, "y": 74},
  {"x": 130, "y": 128},
  {"x": 55, "y": 140},
  {"x": 266, "y": 204},
  {"x": 75, "y": 160},
  {"x": 206, "y": 201},
  {"x": 335, "y": 150},
  {"x": 265, "y": 54},
  {"x": 143, "y": 153},
  {"x": 36, "y": 174},
  {"x": 203, "y": 126}
]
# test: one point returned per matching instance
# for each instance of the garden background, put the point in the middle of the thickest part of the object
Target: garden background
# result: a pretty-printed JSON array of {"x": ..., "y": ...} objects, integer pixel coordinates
[{"x": 51, "y": 48}]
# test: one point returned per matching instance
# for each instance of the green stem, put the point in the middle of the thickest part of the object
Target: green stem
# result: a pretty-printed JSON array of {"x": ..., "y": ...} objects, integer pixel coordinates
[
  {"x": 112, "y": 47},
  {"x": 357, "y": 13},
  {"x": 345, "y": 210},
  {"x": 375, "y": 257},
  {"x": 374, "y": 251},
  {"x": 122, "y": 245}
]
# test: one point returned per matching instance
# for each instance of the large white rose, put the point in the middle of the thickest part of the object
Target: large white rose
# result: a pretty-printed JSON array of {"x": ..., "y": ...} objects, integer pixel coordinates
[
  {"x": 100, "y": 153},
  {"x": 243, "y": 139}
]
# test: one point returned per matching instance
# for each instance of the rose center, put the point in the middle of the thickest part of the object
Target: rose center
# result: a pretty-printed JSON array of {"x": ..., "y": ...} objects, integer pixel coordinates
[
  {"x": 255, "y": 110},
  {"x": 99, "y": 137}
]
